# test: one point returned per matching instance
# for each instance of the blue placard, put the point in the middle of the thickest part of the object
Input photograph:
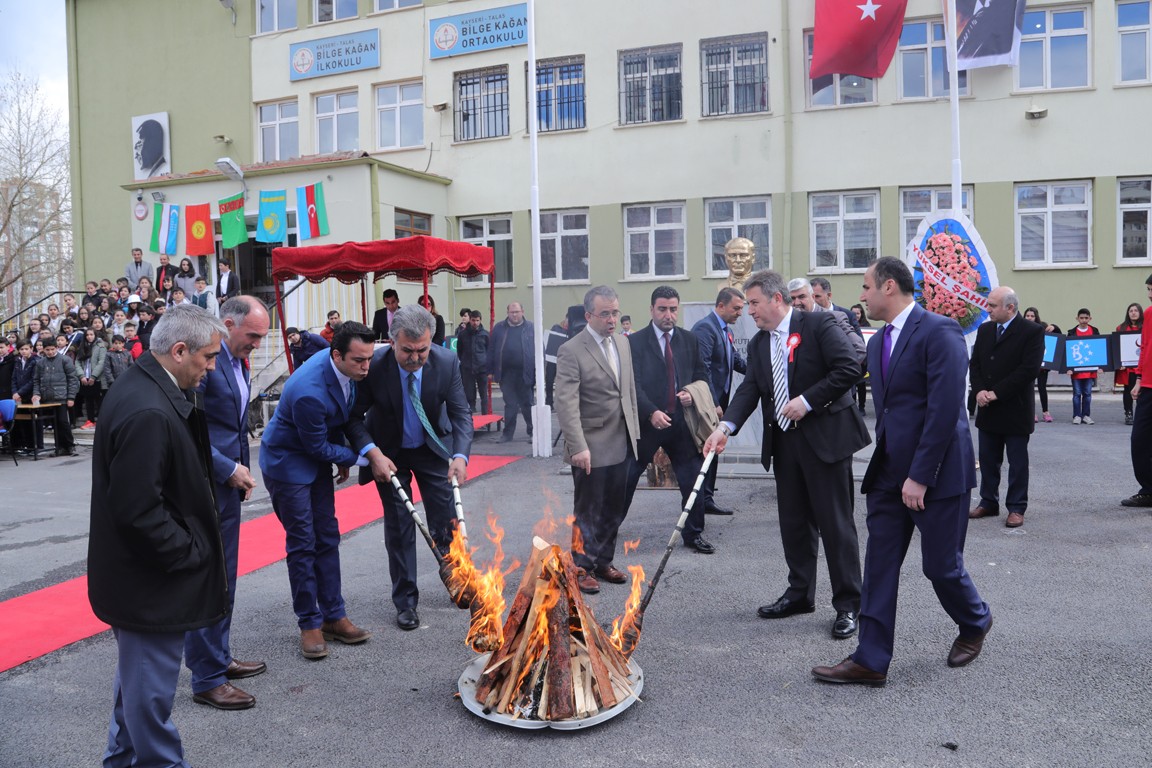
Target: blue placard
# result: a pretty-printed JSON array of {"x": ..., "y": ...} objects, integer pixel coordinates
[
  {"x": 334, "y": 55},
  {"x": 480, "y": 31},
  {"x": 1087, "y": 353}
]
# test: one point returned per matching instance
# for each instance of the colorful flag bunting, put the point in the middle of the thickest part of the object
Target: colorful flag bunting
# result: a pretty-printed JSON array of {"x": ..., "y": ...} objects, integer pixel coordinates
[
  {"x": 988, "y": 32},
  {"x": 855, "y": 39},
  {"x": 272, "y": 218},
  {"x": 232, "y": 229},
  {"x": 165, "y": 228},
  {"x": 311, "y": 214},
  {"x": 198, "y": 235}
]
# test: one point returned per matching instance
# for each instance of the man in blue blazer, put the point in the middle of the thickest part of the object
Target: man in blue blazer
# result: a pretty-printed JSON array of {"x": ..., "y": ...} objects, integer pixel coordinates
[
  {"x": 302, "y": 441},
  {"x": 413, "y": 411},
  {"x": 720, "y": 358},
  {"x": 920, "y": 477},
  {"x": 226, "y": 394}
]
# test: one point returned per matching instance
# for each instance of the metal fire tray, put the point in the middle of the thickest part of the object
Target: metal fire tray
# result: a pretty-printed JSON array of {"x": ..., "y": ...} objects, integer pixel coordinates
[{"x": 472, "y": 674}]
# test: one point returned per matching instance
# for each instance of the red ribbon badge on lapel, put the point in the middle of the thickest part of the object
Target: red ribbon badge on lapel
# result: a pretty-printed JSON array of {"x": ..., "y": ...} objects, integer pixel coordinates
[{"x": 793, "y": 342}]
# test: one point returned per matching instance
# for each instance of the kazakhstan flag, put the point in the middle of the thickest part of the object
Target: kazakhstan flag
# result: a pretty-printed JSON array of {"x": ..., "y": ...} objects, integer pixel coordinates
[{"x": 272, "y": 226}]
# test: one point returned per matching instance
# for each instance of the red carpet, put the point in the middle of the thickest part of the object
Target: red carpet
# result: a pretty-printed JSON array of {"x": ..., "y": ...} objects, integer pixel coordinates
[{"x": 40, "y": 622}]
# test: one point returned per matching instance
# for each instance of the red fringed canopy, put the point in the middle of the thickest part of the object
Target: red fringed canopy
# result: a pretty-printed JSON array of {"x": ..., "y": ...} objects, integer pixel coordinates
[{"x": 409, "y": 258}]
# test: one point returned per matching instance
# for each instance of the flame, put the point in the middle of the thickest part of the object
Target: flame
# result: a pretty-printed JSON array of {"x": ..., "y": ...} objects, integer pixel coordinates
[
  {"x": 546, "y": 526},
  {"x": 577, "y": 536},
  {"x": 626, "y": 627},
  {"x": 536, "y": 647},
  {"x": 486, "y": 631},
  {"x": 631, "y": 546}
]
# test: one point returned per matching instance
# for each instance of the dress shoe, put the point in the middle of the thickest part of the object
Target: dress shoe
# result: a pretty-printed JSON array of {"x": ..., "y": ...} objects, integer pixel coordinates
[
  {"x": 611, "y": 574},
  {"x": 712, "y": 509},
  {"x": 1137, "y": 500},
  {"x": 849, "y": 671},
  {"x": 344, "y": 631},
  {"x": 408, "y": 619},
  {"x": 982, "y": 511},
  {"x": 312, "y": 644},
  {"x": 700, "y": 545},
  {"x": 226, "y": 696},
  {"x": 238, "y": 670},
  {"x": 845, "y": 625},
  {"x": 966, "y": 649},
  {"x": 65, "y": 452},
  {"x": 587, "y": 582},
  {"x": 1015, "y": 520},
  {"x": 784, "y": 607}
]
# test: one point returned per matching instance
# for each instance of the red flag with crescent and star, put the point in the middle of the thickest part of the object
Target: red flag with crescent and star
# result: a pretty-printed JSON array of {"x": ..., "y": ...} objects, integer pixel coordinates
[{"x": 854, "y": 38}]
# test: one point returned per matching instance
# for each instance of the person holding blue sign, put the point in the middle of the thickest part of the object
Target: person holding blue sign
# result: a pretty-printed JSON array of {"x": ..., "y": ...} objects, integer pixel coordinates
[{"x": 1083, "y": 380}]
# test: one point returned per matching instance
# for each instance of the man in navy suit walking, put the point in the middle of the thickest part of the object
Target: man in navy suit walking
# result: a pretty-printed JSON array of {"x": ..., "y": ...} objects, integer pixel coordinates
[{"x": 920, "y": 477}]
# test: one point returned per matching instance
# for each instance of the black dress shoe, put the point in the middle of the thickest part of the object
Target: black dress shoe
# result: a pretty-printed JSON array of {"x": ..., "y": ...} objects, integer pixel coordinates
[
  {"x": 712, "y": 509},
  {"x": 408, "y": 619},
  {"x": 784, "y": 607},
  {"x": 1138, "y": 500},
  {"x": 238, "y": 670},
  {"x": 700, "y": 545},
  {"x": 965, "y": 649},
  {"x": 845, "y": 625},
  {"x": 849, "y": 671}
]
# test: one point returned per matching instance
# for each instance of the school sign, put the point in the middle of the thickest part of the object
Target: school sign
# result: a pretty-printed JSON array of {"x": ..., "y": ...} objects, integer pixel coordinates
[{"x": 465, "y": 33}]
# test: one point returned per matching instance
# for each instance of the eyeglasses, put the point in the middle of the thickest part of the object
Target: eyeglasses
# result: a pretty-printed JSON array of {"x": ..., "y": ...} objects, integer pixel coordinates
[{"x": 608, "y": 314}]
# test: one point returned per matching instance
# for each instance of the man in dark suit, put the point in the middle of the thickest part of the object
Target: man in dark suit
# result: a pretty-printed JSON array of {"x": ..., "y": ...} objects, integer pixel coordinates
[
  {"x": 302, "y": 441},
  {"x": 228, "y": 284},
  {"x": 802, "y": 370},
  {"x": 718, "y": 353},
  {"x": 419, "y": 423},
  {"x": 822, "y": 295},
  {"x": 1005, "y": 362},
  {"x": 383, "y": 316},
  {"x": 920, "y": 476},
  {"x": 304, "y": 344},
  {"x": 226, "y": 393},
  {"x": 155, "y": 560},
  {"x": 665, "y": 359}
]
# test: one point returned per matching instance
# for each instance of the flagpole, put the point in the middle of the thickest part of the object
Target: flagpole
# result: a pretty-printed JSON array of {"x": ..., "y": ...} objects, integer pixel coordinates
[
  {"x": 541, "y": 413},
  {"x": 954, "y": 101}
]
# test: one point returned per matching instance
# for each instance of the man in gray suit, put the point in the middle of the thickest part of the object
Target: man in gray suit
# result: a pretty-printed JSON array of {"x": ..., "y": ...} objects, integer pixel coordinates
[{"x": 596, "y": 404}]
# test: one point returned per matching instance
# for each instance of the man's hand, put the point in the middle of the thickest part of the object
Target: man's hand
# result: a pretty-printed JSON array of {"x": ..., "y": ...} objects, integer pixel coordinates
[
  {"x": 381, "y": 466},
  {"x": 1135, "y": 390},
  {"x": 985, "y": 397},
  {"x": 913, "y": 494},
  {"x": 35, "y": 399},
  {"x": 342, "y": 474},
  {"x": 719, "y": 412},
  {"x": 242, "y": 479},
  {"x": 685, "y": 397},
  {"x": 16, "y": 397},
  {"x": 71, "y": 403},
  {"x": 660, "y": 420},
  {"x": 458, "y": 470},
  {"x": 583, "y": 460},
  {"x": 716, "y": 441},
  {"x": 794, "y": 409}
]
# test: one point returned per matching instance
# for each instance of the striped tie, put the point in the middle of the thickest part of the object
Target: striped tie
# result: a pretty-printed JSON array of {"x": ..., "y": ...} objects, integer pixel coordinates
[
  {"x": 779, "y": 380},
  {"x": 414, "y": 396}
]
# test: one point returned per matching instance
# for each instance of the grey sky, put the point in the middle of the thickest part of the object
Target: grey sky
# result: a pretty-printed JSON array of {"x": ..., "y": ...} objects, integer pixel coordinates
[{"x": 34, "y": 42}]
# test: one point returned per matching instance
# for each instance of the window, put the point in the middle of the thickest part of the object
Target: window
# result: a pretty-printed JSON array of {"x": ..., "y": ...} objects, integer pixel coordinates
[
  {"x": 1135, "y": 209},
  {"x": 1132, "y": 22},
  {"x": 734, "y": 74},
  {"x": 742, "y": 217},
  {"x": 845, "y": 230},
  {"x": 334, "y": 10},
  {"x": 337, "y": 122},
  {"x": 650, "y": 87},
  {"x": 1053, "y": 222},
  {"x": 279, "y": 131},
  {"x": 654, "y": 240},
  {"x": 559, "y": 93},
  {"x": 1054, "y": 49},
  {"x": 564, "y": 245},
  {"x": 923, "y": 62},
  {"x": 276, "y": 15},
  {"x": 496, "y": 233},
  {"x": 482, "y": 103},
  {"x": 917, "y": 204},
  {"x": 409, "y": 224},
  {"x": 400, "y": 115},
  {"x": 837, "y": 90},
  {"x": 388, "y": 5}
]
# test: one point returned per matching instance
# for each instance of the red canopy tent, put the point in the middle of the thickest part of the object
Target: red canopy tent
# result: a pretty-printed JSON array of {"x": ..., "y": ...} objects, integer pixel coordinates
[{"x": 409, "y": 258}]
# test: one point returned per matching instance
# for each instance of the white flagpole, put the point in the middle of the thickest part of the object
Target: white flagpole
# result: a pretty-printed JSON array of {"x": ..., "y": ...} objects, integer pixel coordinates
[
  {"x": 954, "y": 101},
  {"x": 541, "y": 413}
]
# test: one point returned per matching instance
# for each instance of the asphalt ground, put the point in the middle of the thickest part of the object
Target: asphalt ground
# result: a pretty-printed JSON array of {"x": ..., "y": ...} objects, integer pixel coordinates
[{"x": 1064, "y": 679}]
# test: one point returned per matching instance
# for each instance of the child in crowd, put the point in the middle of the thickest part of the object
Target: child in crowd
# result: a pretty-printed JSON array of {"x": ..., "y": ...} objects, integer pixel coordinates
[
  {"x": 1126, "y": 377},
  {"x": 119, "y": 358},
  {"x": 133, "y": 345},
  {"x": 626, "y": 325},
  {"x": 119, "y": 318},
  {"x": 1083, "y": 381}
]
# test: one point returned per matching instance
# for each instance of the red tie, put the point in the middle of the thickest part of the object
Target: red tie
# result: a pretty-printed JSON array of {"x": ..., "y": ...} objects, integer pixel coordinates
[{"x": 670, "y": 370}]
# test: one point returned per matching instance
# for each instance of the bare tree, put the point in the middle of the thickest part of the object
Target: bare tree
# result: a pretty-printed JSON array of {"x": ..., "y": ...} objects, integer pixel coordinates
[{"x": 35, "y": 195}]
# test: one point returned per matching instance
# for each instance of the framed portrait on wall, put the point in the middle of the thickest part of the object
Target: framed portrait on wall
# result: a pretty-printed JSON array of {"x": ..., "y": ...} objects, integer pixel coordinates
[{"x": 151, "y": 151}]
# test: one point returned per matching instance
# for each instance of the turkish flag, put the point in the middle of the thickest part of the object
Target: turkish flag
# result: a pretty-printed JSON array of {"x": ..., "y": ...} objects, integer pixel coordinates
[{"x": 856, "y": 39}]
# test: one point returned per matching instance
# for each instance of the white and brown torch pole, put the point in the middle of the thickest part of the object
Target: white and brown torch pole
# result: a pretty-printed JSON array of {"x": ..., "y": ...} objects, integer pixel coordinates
[
  {"x": 459, "y": 509},
  {"x": 462, "y": 597}
]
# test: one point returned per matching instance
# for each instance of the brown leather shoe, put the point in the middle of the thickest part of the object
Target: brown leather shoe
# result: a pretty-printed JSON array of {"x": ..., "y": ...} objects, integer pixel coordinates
[
  {"x": 238, "y": 670},
  {"x": 1015, "y": 520},
  {"x": 344, "y": 631},
  {"x": 226, "y": 696},
  {"x": 966, "y": 649},
  {"x": 611, "y": 574},
  {"x": 587, "y": 582},
  {"x": 849, "y": 671},
  {"x": 312, "y": 644},
  {"x": 980, "y": 512}
]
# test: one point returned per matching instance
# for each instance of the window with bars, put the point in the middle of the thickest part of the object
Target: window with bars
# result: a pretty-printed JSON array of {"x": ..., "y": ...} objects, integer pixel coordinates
[
  {"x": 1135, "y": 212},
  {"x": 279, "y": 131},
  {"x": 734, "y": 74},
  {"x": 837, "y": 90},
  {"x": 559, "y": 94},
  {"x": 845, "y": 230},
  {"x": 654, "y": 240},
  {"x": 494, "y": 232},
  {"x": 564, "y": 245},
  {"x": 337, "y": 122},
  {"x": 1053, "y": 224},
  {"x": 650, "y": 85},
  {"x": 481, "y": 108},
  {"x": 923, "y": 62},
  {"x": 738, "y": 217}
]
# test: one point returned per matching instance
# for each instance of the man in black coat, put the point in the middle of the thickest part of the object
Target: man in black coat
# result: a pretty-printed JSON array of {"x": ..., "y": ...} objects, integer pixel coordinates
[
  {"x": 7, "y": 366},
  {"x": 1005, "y": 362},
  {"x": 472, "y": 349},
  {"x": 304, "y": 344},
  {"x": 155, "y": 559},
  {"x": 802, "y": 370},
  {"x": 665, "y": 359},
  {"x": 383, "y": 316}
]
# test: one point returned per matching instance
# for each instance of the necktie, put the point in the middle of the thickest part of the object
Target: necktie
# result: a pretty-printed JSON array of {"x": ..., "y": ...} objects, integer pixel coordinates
[
  {"x": 886, "y": 352},
  {"x": 779, "y": 380},
  {"x": 670, "y": 375},
  {"x": 241, "y": 388},
  {"x": 999, "y": 332},
  {"x": 414, "y": 397},
  {"x": 351, "y": 393},
  {"x": 607, "y": 344}
]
